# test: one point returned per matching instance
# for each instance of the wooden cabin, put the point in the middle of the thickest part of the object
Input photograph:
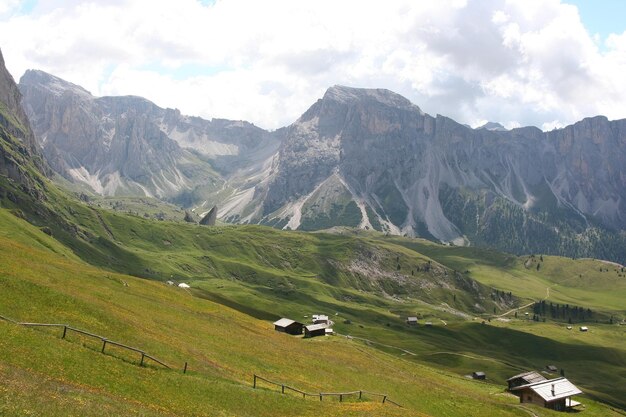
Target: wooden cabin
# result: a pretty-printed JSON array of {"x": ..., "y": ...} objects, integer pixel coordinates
[
  {"x": 320, "y": 319},
  {"x": 584, "y": 328},
  {"x": 552, "y": 368},
  {"x": 525, "y": 378},
  {"x": 479, "y": 375},
  {"x": 288, "y": 326},
  {"x": 553, "y": 393},
  {"x": 412, "y": 321},
  {"x": 313, "y": 330}
]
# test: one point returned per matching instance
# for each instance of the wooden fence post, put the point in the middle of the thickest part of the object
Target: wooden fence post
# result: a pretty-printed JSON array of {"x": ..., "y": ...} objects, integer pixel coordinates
[
  {"x": 185, "y": 368},
  {"x": 384, "y": 399},
  {"x": 104, "y": 344},
  {"x": 254, "y": 383},
  {"x": 143, "y": 355},
  {"x": 320, "y": 397},
  {"x": 340, "y": 397},
  {"x": 283, "y": 389},
  {"x": 64, "y": 332},
  {"x": 360, "y": 394}
]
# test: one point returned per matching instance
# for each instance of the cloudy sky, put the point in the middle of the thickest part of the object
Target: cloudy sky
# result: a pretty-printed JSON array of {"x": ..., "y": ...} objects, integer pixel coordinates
[{"x": 546, "y": 63}]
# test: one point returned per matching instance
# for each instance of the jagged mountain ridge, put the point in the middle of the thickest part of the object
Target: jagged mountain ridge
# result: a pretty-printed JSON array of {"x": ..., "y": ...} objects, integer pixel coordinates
[
  {"x": 130, "y": 146},
  {"x": 365, "y": 158},
  {"x": 370, "y": 158}
]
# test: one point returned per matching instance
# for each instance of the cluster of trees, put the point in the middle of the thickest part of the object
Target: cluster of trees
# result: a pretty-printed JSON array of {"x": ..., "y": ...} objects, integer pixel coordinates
[{"x": 560, "y": 311}]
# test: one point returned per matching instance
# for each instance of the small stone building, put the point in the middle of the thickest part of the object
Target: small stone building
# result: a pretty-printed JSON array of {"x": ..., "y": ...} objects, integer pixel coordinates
[
  {"x": 479, "y": 375},
  {"x": 412, "y": 321},
  {"x": 288, "y": 326}
]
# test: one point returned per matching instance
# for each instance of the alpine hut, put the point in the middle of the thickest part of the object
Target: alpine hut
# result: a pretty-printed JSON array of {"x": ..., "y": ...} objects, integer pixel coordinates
[
  {"x": 288, "y": 326},
  {"x": 553, "y": 393}
]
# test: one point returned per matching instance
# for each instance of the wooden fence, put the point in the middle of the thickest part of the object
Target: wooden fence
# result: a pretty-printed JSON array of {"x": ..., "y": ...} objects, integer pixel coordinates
[
  {"x": 321, "y": 395},
  {"x": 104, "y": 340},
  {"x": 144, "y": 356}
]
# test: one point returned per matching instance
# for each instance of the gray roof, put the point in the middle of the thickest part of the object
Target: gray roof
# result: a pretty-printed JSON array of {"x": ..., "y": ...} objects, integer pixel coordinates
[
  {"x": 313, "y": 327},
  {"x": 530, "y": 377},
  {"x": 562, "y": 389},
  {"x": 411, "y": 318},
  {"x": 284, "y": 322}
]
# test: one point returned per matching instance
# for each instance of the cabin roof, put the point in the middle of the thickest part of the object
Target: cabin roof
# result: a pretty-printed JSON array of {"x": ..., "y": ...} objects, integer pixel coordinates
[
  {"x": 313, "y": 327},
  {"x": 531, "y": 377},
  {"x": 562, "y": 389},
  {"x": 411, "y": 318},
  {"x": 284, "y": 322}
]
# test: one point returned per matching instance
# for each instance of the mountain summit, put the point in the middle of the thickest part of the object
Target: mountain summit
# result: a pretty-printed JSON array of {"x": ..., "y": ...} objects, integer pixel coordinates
[
  {"x": 366, "y": 158},
  {"x": 371, "y": 159}
]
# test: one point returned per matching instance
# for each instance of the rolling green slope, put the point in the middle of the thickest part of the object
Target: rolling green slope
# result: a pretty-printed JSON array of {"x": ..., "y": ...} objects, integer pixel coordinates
[{"x": 223, "y": 347}]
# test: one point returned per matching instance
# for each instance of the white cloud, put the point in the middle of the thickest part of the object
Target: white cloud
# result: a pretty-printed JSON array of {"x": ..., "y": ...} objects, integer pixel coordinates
[{"x": 514, "y": 61}]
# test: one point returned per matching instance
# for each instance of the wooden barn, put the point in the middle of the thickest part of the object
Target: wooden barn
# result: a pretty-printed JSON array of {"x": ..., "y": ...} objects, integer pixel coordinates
[
  {"x": 525, "y": 378},
  {"x": 313, "y": 330},
  {"x": 288, "y": 326},
  {"x": 479, "y": 375},
  {"x": 553, "y": 393},
  {"x": 412, "y": 321},
  {"x": 552, "y": 368}
]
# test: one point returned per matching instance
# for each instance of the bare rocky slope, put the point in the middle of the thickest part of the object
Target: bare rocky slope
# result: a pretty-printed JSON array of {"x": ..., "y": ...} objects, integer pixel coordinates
[
  {"x": 365, "y": 158},
  {"x": 130, "y": 146},
  {"x": 371, "y": 159}
]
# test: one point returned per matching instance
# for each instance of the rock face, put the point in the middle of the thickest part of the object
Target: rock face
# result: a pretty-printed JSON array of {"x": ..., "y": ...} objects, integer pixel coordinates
[
  {"x": 365, "y": 158},
  {"x": 130, "y": 146},
  {"x": 370, "y": 158},
  {"x": 18, "y": 151},
  {"x": 210, "y": 218}
]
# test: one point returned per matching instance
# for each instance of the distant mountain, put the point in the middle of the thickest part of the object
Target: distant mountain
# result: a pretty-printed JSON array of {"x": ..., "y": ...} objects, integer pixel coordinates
[
  {"x": 371, "y": 159},
  {"x": 130, "y": 146},
  {"x": 366, "y": 158},
  {"x": 494, "y": 126}
]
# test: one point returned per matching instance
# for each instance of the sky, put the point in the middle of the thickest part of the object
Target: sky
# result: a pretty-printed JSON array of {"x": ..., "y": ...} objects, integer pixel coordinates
[{"x": 547, "y": 63}]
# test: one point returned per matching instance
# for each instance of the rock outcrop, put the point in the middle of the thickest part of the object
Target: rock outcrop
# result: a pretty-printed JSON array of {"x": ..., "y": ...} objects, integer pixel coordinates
[
  {"x": 210, "y": 218},
  {"x": 20, "y": 159}
]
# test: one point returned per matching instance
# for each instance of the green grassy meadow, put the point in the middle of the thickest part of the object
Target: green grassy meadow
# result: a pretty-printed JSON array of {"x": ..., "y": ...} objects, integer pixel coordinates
[{"x": 242, "y": 278}]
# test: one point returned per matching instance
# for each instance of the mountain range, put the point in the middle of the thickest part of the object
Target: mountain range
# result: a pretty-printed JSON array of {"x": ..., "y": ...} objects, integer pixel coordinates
[{"x": 366, "y": 158}]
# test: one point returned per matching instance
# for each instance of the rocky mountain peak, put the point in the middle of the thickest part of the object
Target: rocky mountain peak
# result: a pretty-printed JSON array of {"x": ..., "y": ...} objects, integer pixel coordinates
[
  {"x": 346, "y": 95},
  {"x": 493, "y": 126},
  {"x": 51, "y": 83}
]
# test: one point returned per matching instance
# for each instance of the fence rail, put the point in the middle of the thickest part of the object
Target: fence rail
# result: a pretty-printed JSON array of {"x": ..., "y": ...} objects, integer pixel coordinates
[
  {"x": 144, "y": 356},
  {"x": 321, "y": 395},
  {"x": 104, "y": 340}
]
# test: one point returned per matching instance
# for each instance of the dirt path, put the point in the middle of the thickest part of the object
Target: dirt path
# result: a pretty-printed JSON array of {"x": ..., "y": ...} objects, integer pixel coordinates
[
  {"x": 371, "y": 342},
  {"x": 525, "y": 305}
]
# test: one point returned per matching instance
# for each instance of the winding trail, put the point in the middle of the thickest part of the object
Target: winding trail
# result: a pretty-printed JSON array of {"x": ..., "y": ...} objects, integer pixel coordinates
[{"x": 525, "y": 305}]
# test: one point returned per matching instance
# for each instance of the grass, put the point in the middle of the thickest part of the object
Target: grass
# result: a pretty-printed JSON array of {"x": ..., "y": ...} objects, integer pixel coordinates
[{"x": 43, "y": 281}]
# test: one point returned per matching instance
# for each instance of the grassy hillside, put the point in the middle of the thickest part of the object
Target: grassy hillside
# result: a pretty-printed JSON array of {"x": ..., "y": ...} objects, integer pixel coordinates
[
  {"x": 49, "y": 376},
  {"x": 264, "y": 274}
]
